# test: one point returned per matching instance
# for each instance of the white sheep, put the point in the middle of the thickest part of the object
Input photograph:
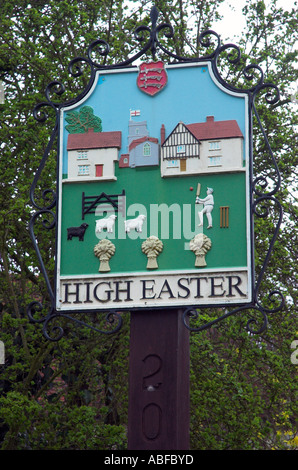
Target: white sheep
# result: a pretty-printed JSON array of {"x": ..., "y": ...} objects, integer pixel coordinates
[
  {"x": 136, "y": 223},
  {"x": 107, "y": 222}
]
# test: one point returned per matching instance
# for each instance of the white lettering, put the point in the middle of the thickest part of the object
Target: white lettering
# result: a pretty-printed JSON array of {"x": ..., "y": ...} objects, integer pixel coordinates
[
  {"x": 164, "y": 211},
  {"x": 114, "y": 460},
  {"x": 171, "y": 458}
]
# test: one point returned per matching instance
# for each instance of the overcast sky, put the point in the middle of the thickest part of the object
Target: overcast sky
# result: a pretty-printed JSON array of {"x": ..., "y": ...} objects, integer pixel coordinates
[{"x": 233, "y": 22}]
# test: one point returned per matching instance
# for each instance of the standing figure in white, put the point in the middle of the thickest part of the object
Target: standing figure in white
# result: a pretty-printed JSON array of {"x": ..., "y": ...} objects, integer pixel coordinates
[{"x": 208, "y": 202}]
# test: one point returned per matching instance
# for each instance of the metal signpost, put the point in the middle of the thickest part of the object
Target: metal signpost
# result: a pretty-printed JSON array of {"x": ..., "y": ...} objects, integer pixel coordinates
[{"x": 154, "y": 214}]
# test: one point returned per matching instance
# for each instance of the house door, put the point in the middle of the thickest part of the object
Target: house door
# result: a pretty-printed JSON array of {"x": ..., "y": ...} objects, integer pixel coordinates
[
  {"x": 183, "y": 164},
  {"x": 98, "y": 170}
]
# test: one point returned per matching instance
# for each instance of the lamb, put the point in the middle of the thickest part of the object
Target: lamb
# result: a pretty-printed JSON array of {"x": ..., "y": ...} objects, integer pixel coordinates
[
  {"x": 77, "y": 232},
  {"x": 107, "y": 223},
  {"x": 136, "y": 223}
]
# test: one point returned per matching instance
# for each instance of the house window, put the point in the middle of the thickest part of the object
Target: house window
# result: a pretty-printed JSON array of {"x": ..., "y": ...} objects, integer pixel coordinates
[
  {"x": 147, "y": 150},
  {"x": 214, "y": 145},
  {"x": 172, "y": 163},
  {"x": 180, "y": 148},
  {"x": 183, "y": 164},
  {"x": 82, "y": 155},
  {"x": 98, "y": 170},
  {"x": 215, "y": 161},
  {"x": 83, "y": 170}
]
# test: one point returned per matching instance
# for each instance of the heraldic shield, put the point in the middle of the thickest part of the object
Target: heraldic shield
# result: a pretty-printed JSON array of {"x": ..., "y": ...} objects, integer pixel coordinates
[{"x": 152, "y": 77}]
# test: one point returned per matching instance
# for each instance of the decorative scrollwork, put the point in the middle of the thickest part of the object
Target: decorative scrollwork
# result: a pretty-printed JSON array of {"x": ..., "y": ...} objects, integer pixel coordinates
[
  {"x": 152, "y": 44},
  {"x": 54, "y": 332},
  {"x": 249, "y": 74},
  {"x": 272, "y": 96},
  {"x": 48, "y": 203},
  {"x": 34, "y": 307},
  {"x": 54, "y": 88},
  {"x": 277, "y": 300},
  {"x": 253, "y": 322},
  {"x": 99, "y": 46},
  {"x": 204, "y": 41},
  {"x": 151, "y": 40},
  {"x": 264, "y": 213},
  {"x": 47, "y": 225},
  {"x": 233, "y": 57},
  {"x": 39, "y": 112},
  {"x": 192, "y": 314},
  {"x": 74, "y": 69}
]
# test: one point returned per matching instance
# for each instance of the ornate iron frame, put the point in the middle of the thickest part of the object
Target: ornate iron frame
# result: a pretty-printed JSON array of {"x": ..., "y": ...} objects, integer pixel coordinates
[{"x": 258, "y": 198}]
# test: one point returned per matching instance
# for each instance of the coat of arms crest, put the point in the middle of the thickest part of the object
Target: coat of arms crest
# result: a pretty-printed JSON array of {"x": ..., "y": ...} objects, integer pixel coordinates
[{"x": 152, "y": 77}]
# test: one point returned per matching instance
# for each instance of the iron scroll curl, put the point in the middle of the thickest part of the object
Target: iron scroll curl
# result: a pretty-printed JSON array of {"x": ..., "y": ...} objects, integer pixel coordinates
[
  {"x": 262, "y": 193},
  {"x": 52, "y": 332}
]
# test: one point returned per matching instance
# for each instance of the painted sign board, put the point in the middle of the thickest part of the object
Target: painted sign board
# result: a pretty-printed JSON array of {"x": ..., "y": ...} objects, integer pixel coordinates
[{"x": 154, "y": 207}]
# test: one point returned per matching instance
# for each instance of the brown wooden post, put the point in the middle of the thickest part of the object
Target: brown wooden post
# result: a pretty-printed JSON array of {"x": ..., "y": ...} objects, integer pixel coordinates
[{"x": 158, "y": 381}]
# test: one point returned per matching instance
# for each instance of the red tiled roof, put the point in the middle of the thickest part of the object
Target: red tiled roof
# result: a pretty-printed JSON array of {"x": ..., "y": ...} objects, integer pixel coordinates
[
  {"x": 94, "y": 140},
  {"x": 215, "y": 129},
  {"x": 136, "y": 142}
]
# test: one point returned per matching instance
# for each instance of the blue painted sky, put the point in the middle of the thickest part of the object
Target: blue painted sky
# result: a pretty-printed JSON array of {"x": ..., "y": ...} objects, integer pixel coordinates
[{"x": 189, "y": 96}]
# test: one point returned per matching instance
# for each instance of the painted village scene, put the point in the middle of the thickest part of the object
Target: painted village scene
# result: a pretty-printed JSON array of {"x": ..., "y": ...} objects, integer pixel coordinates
[{"x": 148, "y": 187}]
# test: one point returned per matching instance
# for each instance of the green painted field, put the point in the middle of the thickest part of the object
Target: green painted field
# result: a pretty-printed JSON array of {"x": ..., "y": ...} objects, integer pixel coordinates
[{"x": 170, "y": 210}]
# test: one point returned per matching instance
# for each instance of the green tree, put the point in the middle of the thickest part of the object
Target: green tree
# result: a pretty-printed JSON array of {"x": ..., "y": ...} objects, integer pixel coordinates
[
  {"x": 80, "y": 121},
  {"x": 242, "y": 386}
]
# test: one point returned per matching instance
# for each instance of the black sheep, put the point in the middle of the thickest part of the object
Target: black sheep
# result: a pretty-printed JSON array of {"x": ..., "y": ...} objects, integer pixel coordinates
[{"x": 77, "y": 232}]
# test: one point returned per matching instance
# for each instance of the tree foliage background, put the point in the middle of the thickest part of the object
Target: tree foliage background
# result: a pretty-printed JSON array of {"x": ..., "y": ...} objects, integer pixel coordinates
[{"x": 243, "y": 387}]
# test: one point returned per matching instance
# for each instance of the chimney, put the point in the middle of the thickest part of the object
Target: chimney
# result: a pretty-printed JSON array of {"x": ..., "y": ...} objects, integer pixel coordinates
[
  {"x": 162, "y": 134},
  {"x": 210, "y": 119}
]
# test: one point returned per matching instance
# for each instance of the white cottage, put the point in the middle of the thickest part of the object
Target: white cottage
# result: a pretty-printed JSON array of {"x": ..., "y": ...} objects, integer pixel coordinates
[
  {"x": 92, "y": 155},
  {"x": 202, "y": 148}
]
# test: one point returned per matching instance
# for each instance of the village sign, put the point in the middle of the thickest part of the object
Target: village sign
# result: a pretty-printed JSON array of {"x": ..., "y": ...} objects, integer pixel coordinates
[{"x": 156, "y": 188}]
